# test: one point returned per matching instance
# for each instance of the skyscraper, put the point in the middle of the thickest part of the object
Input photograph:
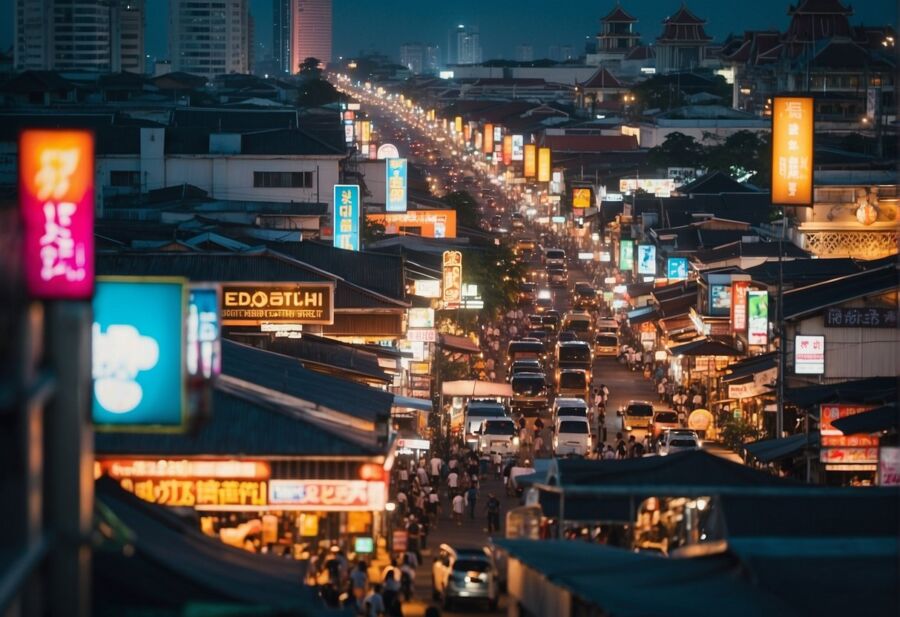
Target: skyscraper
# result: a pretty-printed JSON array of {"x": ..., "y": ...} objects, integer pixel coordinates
[
  {"x": 468, "y": 45},
  {"x": 87, "y": 35},
  {"x": 281, "y": 34},
  {"x": 310, "y": 32},
  {"x": 419, "y": 58},
  {"x": 209, "y": 37}
]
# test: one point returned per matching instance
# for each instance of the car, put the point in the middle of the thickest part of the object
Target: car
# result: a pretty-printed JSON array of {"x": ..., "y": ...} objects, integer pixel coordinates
[
  {"x": 579, "y": 322},
  {"x": 525, "y": 348},
  {"x": 527, "y": 293},
  {"x": 557, "y": 277},
  {"x": 479, "y": 410},
  {"x": 530, "y": 393},
  {"x": 606, "y": 344},
  {"x": 636, "y": 415},
  {"x": 571, "y": 435},
  {"x": 462, "y": 573},
  {"x": 535, "y": 321},
  {"x": 663, "y": 421},
  {"x": 498, "y": 435},
  {"x": 525, "y": 366},
  {"x": 678, "y": 441},
  {"x": 555, "y": 258},
  {"x": 569, "y": 407},
  {"x": 543, "y": 304},
  {"x": 566, "y": 336},
  {"x": 573, "y": 382},
  {"x": 585, "y": 298},
  {"x": 551, "y": 320},
  {"x": 540, "y": 334},
  {"x": 607, "y": 325}
]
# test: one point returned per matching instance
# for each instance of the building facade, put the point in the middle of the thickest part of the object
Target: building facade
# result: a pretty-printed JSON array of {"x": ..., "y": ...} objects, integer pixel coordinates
[
  {"x": 682, "y": 44},
  {"x": 84, "y": 35},
  {"x": 617, "y": 36},
  {"x": 209, "y": 37},
  {"x": 310, "y": 32},
  {"x": 281, "y": 35},
  {"x": 420, "y": 58},
  {"x": 468, "y": 45}
]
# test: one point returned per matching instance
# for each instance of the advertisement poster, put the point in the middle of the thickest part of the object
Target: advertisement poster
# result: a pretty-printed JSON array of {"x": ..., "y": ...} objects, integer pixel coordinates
[
  {"x": 518, "y": 147},
  {"x": 581, "y": 197},
  {"x": 626, "y": 255},
  {"x": 757, "y": 317},
  {"x": 346, "y": 216},
  {"x": 530, "y": 170},
  {"x": 452, "y": 273},
  {"x": 487, "y": 141},
  {"x": 739, "y": 305},
  {"x": 677, "y": 268},
  {"x": 507, "y": 149},
  {"x": 543, "y": 165},
  {"x": 395, "y": 184},
  {"x": 646, "y": 259},
  {"x": 809, "y": 355}
]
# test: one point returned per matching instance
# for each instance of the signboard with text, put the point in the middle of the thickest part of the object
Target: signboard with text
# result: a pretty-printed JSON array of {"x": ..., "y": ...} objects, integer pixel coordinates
[
  {"x": 327, "y": 495},
  {"x": 739, "y": 305},
  {"x": 56, "y": 203},
  {"x": 792, "y": 150},
  {"x": 518, "y": 147},
  {"x": 395, "y": 185},
  {"x": 861, "y": 318},
  {"x": 626, "y": 255},
  {"x": 809, "y": 355},
  {"x": 543, "y": 173},
  {"x": 757, "y": 317},
  {"x": 646, "y": 259},
  {"x": 250, "y": 304},
  {"x": 138, "y": 354},
  {"x": 452, "y": 275},
  {"x": 421, "y": 318},
  {"x": 346, "y": 216},
  {"x": 677, "y": 268},
  {"x": 530, "y": 154}
]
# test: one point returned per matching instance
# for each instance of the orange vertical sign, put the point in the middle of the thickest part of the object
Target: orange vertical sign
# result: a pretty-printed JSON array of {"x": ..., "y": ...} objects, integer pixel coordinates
[
  {"x": 507, "y": 149},
  {"x": 530, "y": 160},
  {"x": 543, "y": 165},
  {"x": 792, "y": 150},
  {"x": 452, "y": 262},
  {"x": 488, "y": 140}
]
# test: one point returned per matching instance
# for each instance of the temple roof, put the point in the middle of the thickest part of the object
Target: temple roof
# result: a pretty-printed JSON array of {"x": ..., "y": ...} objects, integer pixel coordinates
[
  {"x": 683, "y": 26},
  {"x": 619, "y": 15}
]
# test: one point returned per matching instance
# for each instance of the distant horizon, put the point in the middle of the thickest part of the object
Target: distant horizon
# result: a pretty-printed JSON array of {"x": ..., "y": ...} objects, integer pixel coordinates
[{"x": 365, "y": 27}]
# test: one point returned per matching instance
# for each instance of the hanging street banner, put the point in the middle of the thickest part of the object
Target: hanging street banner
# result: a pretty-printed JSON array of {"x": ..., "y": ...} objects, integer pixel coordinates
[
  {"x": 530, "y": 170},
  {"x": 395, "y": 185},
  {"x": 452, "y": 265},
  {"x": 346, "y": 216},
  {"x": 56, "y": 204},
  {"x": 253, "y": 304},
  {"x": 138, "y": 354},
  {"x": 626, "y": 255},
  {"x": 739, "y": 290},
  {"x": 809, "y": 355},
  {"x": 792, "y": 150},
  {"x": 518, "y": 147},
  {"x": 543, "y": 174}
]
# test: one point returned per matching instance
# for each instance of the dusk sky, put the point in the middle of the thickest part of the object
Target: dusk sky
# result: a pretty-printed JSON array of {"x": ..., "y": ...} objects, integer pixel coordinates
[{"x": 366, "y": 25}]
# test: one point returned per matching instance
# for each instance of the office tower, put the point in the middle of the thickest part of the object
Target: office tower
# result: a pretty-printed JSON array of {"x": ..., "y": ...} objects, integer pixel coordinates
[
  {"x": 281, "y": 35},
  {"x": 419, "y": 58},
  {"x": 524, "y": 53},
  {"x": 310, "y": 32},
  {"x": 209, "y": 37},
  {"x": 468, "y": 45},
  {"x": 86, "y": 35},
  {"x": 128, "y": 36}
]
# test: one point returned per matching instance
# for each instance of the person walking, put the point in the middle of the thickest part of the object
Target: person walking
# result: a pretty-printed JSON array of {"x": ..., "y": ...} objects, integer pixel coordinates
[
  {"x": 359, "y": 581},
  {"x": 458, "y": 506},
  {"x": 471, "y": 499},
  {"x": 493, "y": 513}
]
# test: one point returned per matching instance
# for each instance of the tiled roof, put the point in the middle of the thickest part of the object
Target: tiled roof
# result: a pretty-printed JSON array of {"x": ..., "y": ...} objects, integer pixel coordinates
[
  {"x": 801, "y": 272},
  {"x": 683, "y": 26},
  {"x": 602, "y": 79},
  {"x": 619, "y": 15},
  {"x": 235, "y": 120},
  {"x": 820, "y": 7},
  {"x": 641, "y": 52},
  {"x": 683, "y": 16},
  {"x": 590, "y": 143}
]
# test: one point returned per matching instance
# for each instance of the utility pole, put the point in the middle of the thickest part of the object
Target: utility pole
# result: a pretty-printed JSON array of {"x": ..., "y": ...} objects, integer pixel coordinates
[{"x": 782, "y": 351}]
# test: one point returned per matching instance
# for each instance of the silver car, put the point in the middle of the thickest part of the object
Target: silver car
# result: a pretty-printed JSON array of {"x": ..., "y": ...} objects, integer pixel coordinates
[
  {"x": 678, "y": 440},
  {"x": 464, "y": 574}
]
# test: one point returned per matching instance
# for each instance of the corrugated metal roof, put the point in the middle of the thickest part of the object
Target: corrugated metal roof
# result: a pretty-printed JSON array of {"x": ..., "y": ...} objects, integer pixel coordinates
[{"x": 806, "y": 300}]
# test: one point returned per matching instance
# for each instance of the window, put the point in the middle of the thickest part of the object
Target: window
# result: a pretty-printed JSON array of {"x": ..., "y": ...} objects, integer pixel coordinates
[
  {"x": 125, "y": 178},
  {"x": 283, "y": 179}
]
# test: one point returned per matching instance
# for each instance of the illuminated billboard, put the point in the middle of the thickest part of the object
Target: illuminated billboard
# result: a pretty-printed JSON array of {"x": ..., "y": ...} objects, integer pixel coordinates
[
  {"x": 677, "y": 268},
  {"x": 487, "y": 141},
  {"x": 346, "y": 216},
  {"x": 452, "y": 275},
  {"x": 530, "y": 170},
  {"x": 581, "y": 197},
  {"x": 251, "y": 304},
  {"x": 646, "y": 259},
  {"x": 518, "y": 147},
  {"x": 424, "y": 223},
  {"x": 56, "y": 202},
  {"x": 626, "y": 255},
  {"x": 792, "y": 150},
  {"x": 543, "y": 165},
  {"x": 757, "y": 317},
  {"x": 507, "y": 149},
  {"x": 395, "y": 185},
  {"x": 138, "y": 354}
]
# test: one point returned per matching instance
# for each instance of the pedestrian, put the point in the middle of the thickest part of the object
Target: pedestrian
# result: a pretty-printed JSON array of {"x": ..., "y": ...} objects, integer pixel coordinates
[
  {"x": 497, "y": 462},
  {"x": 493, "y": 513},
  {"x": 433, "y": 507},
  {"x": 621, "y": 447},
  {"x": 609, "y": 453},
  {"x": 538, "y": 443},
  {"x": 661, "y": 390},
  {"x": 452, "y": 482},
  {"x": 471, "y": 499},
  {"x": 458, "y": 506},
  {"x": 374, "y": 603},
  {"x": 413, "y": 531},
  {"x": 359, "y": 580},
  {"x": 697, "y": 401},
  {"x": 422, "y": 476},
  {"x": 436, "y": 463}
]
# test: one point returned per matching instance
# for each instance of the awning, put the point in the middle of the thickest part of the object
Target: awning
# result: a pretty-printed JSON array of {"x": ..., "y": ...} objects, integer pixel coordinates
[
  {"x": 459, "y": 344},
  {"x": 747, "y": 368},
  {"x": 642, "y": 314},
  {"x": 875, "y": 390},
  {"x": 875, "y": 420},
  {"x": 676, "y": 324},
  {"x": 409, "y": 402},
  {"x": 703, "y": 347},
  {"x": 473, "y": 388},
  {"x": 768, "y": 450},
  {"x": 636, "y": 290}
]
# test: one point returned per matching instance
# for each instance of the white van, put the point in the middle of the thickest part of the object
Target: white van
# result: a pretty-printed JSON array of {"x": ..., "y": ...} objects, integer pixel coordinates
[
  {"x": 572, "y": 435},
  {"x": 498, "y": 435}
]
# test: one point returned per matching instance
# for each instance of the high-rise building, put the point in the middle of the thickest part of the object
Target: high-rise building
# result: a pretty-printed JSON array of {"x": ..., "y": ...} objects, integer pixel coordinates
[
  {"x": 87, "y": 35},
  {"x": 420, "y": 58},
  {"x": 524, "y": 53},
  {"x": 209, "y": 37},
  {"x": 281, "y": 35},
  {"x": 310, "y": 32},
  {"x": 468, "y": 45}
]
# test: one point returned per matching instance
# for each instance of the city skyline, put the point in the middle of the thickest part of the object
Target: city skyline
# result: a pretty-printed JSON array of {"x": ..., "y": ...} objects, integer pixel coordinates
[{"x": 361, "y": 27}]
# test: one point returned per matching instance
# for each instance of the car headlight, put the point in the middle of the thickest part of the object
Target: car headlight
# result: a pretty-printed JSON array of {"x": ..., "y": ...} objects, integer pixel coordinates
[
  {"x": 627, "y": 428},
  {"x": 515, "y": 441}
]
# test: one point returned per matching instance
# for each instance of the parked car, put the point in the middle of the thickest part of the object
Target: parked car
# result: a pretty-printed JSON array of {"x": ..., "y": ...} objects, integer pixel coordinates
[
  {"x": 678, "y": 441},
  {"x": 530, "y": 365},
  {"x": 663, "y": 421},
  {"x": 464, "y": 573},
  {"x": 636, "y": 415},
  {"x": 573, "y": 382},
  {"x": 571, "y": 435},
  {"x": 606, "y": 344}
]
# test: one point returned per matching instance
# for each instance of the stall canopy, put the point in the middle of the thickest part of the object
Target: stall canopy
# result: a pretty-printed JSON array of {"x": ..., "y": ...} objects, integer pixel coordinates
[
  {"x": 642, "y": 314},
  {"x": 873, "y": 390},
  {"x": 407, "y": 402},
  {"x": 884, "y": 418},
  {"x": 769, "y": 450},
  {"x": 473, "y": 388},
  {"x": 748, "y": 367},
  {"x": 459, "y": 344},
  {"x": 150, "y": 559},
  {"x": 703, "y": 347}
]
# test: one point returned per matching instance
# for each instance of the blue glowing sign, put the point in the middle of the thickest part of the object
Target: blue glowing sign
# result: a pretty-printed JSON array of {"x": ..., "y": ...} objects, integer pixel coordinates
[
  {"x": 395, "y": 181},
  {"x": 677, "y": 268},
  {"x": 139, "y": 354},
  {"x": 346, "y": 216}
]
